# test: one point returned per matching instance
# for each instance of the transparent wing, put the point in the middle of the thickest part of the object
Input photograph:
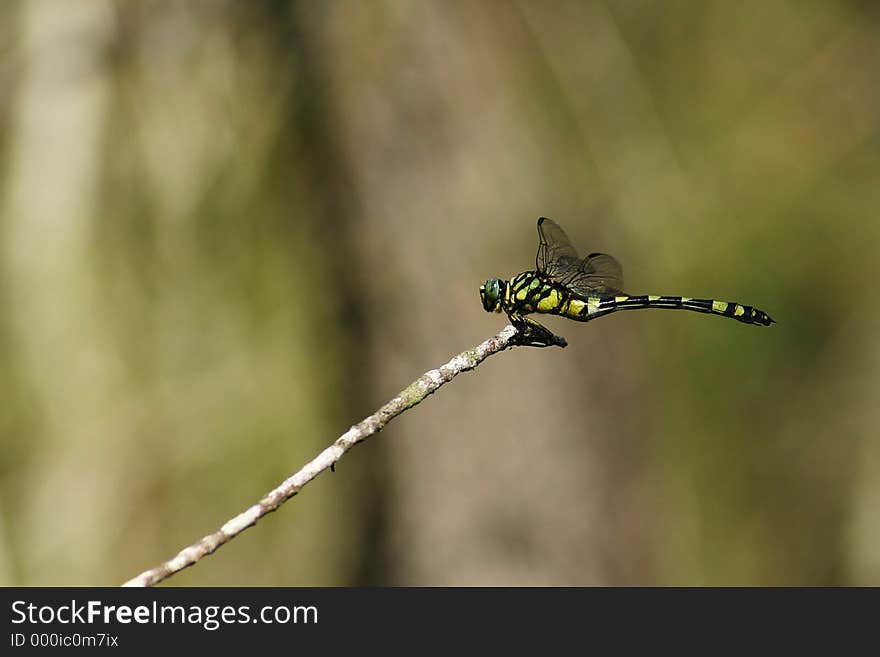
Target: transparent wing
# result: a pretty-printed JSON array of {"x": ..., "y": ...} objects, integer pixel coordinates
[
  {"x": 556, "y": 255},
  {"x": 598, "y": 273}
]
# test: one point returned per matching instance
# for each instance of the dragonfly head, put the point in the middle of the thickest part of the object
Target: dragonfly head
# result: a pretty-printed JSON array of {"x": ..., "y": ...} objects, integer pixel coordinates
[{"x": 490, "y": 294}]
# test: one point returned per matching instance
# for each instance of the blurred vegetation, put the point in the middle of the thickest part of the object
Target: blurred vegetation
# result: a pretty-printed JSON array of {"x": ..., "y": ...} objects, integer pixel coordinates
[{"x": 231, "y": 230}]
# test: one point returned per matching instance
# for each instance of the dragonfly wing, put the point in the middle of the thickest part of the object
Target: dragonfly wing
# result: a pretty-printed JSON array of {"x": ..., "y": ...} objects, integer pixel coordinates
[
  {"x": 598, "y": 273},
  {"x": 556, "y": 255}
]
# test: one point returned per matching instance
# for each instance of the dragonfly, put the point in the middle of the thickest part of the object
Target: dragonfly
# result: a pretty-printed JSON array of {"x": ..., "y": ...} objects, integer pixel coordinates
[{"x": 584, "y": 289}]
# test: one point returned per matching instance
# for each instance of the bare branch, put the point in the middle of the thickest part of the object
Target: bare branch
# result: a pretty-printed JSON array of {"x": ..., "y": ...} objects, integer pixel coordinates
[{"x": 405, "y": 399}]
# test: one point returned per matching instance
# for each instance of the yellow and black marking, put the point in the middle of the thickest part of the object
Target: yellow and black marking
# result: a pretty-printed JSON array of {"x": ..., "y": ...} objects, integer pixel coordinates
[
  {"x": 605, "y": 305},
  {"x": 584, "y": 289}
]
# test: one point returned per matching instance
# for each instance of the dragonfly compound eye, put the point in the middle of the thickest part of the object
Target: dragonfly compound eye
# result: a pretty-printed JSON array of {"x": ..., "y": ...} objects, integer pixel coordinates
[{"x": 490, "y": 294}]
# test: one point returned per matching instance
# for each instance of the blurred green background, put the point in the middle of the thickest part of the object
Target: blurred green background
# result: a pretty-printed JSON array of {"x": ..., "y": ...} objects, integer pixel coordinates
[{"x": 231, "y": 230}]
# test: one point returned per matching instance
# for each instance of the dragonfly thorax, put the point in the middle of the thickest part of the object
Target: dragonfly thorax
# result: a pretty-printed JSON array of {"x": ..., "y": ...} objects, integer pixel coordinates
[{"x": 491, "y": 293}]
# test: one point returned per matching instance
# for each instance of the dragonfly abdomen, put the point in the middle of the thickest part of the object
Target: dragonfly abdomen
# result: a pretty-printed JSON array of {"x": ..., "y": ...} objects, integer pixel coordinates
[{"x": 598, "y": 306}]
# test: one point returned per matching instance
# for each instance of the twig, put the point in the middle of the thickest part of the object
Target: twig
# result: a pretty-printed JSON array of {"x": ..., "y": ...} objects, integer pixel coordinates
[{"x": 406, "y": 399}]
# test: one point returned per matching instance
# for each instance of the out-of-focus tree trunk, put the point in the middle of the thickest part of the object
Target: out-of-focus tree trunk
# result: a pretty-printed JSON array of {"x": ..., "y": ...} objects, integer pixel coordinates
[
  {"x": 175, "y": 317},
  {"x": 444, "y": 149},
  {"x": 52, "y": 197}
]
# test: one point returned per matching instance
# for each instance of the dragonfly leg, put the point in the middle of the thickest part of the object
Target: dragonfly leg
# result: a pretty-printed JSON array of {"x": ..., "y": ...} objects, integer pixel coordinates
[{"x": 533, "y": 334}]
